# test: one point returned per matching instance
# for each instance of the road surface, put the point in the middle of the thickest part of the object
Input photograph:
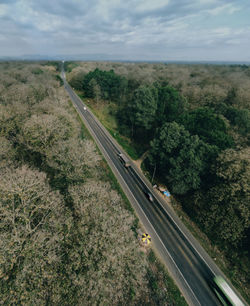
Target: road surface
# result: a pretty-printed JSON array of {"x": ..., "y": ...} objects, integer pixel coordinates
[{"x": 188, "y": 263}]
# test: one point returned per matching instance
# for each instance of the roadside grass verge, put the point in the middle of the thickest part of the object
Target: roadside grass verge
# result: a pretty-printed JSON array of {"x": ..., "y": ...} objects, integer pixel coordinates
[
  {"x": 161, "y": 286},
  {"x": 160, "y": 281},
  {"x": 107, "y": 174},
  {"x": 231, "y": 271},
  {"x": 84, "y": 133},
  {"x": 103, "y": 111},
  {"x": 133, "y": 151}
]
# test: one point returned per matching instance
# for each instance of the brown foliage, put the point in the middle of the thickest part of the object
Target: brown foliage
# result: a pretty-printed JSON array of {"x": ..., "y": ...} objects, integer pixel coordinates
[
  {"x": 73, "y": 158},
  {"x": 200, "y": 84},
  {"x": 70, "y": 247},
  {"x": 32, "y": 219},
  {"x": 41, "y": 131},
  {"x": 7, "y": 153},
  {"x": 114, "y": 265}
]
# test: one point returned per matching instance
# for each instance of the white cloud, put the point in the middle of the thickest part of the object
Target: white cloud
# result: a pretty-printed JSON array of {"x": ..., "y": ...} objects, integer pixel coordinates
[
  {"x": 151, "y": 27},
  {"x": 202, "y": 2},
  {"x": 222, "y": 31},
  {"x": 150, "y": 5},
  {"x": 3, "y": 9},
  {"x": 227, "y": 8},
  {"x": 49, "y": 25}
]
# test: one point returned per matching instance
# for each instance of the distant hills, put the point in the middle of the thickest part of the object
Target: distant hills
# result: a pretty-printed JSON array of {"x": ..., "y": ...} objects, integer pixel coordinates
[
  {"x": 107, "y": 57},
  {"x": 75, "y": 57}
]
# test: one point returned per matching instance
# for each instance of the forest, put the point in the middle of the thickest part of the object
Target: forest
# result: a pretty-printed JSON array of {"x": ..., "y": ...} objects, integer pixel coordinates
[
  {"x": 193, "y": 122},
  {"x": 67, "y": 234}
]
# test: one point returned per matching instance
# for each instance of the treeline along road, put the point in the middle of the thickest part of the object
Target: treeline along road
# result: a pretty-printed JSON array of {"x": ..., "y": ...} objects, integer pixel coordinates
[{"x": 191, "y": 267}]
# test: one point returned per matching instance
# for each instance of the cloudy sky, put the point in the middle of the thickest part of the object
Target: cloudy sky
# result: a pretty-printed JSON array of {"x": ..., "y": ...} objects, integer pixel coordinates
[{"x": 127, "y": 29}]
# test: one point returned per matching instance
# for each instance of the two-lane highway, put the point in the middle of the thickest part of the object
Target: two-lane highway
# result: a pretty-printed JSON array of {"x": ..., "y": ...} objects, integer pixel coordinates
[{"x": 185, "y": 259}]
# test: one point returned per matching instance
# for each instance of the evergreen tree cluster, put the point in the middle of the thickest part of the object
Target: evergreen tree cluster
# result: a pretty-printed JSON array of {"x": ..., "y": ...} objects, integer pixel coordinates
[
  {"x": 102, "y": 84},
  {"x": 189, "y": 148}
]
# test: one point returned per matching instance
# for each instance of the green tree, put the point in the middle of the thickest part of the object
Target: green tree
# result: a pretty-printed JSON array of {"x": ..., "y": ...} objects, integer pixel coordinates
[
  {"x": 240, "y": 118},
  {"x": 111, "y": 85},
  {"x": 77, "y": 80},
  {"x": 142, "y": 108},
  {"x": 170, "y": 105},
  {"x": 231, "y": 96},
  {"x": 225, "y": 211},
  {"x": 210, "y": 127},
  {"x": 180, "y": 158},
  {"x": 96, "y": 90}
]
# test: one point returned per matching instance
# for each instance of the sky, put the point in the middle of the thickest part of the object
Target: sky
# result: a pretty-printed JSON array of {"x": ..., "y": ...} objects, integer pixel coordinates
[{"x": 154, "y": 30}]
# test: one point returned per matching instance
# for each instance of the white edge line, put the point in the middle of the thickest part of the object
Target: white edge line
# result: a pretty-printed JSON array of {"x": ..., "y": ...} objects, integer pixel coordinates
[
  {"x": 143, "y": 179},
  {"x": 182, "y": 232},
  {"x": 141, "y": 209},
  {"x": 144, "y": 182}
]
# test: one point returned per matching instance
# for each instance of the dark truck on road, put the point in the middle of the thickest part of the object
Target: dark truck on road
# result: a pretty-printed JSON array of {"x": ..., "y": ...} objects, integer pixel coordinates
[{"x": 125, "y": 161}]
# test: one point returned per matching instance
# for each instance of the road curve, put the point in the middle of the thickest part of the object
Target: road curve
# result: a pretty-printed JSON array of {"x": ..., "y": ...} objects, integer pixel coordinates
[{"x": 188, "y": 263}]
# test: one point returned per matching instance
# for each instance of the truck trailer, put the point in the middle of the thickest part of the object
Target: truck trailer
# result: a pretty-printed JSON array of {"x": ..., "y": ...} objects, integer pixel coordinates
[{"x": 124, "y": 160}]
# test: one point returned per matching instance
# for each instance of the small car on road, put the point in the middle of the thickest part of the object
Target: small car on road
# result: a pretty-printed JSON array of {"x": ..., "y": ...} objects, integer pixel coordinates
[{"x": 149, "y": 196}]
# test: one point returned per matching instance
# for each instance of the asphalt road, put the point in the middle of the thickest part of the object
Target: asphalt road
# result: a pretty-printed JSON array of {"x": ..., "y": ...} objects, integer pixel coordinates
[{"x": 186, "y": 260}]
